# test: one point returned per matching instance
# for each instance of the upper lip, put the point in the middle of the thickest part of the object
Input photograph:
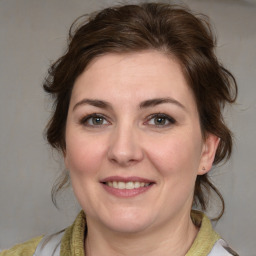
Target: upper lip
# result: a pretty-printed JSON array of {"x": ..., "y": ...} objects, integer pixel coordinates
[{"x": 126, "y": 179}]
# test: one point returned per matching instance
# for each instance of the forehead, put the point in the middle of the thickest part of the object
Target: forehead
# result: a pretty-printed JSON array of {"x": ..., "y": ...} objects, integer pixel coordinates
[{"x": 133, "y": 76}]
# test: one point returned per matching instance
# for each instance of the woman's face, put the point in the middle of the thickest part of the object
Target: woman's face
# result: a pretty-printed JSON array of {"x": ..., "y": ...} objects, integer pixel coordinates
[{"x": 133, "y": 142}]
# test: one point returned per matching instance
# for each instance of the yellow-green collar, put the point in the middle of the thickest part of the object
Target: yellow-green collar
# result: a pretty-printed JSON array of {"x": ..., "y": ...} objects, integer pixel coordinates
[
  {"x": 206, "y": 237},
  {"x": 72, "y": 243}
]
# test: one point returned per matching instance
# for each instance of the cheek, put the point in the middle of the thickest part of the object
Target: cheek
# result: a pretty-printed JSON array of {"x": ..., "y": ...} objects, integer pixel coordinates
[
  {"x": 176, "y": 160},
  {"x": 83, "y": 156},
  {"x": 177, "y": 155}
]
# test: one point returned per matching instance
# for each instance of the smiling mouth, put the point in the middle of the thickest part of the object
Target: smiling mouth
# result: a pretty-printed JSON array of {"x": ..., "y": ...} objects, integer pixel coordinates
[{"x": 127, "y": 185}]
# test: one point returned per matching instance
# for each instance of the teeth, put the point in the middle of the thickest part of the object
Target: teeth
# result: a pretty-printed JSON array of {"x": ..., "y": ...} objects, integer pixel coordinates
[
  {"x": 110, "y": 184},
  {"x": 126, "y": 185},
  {"x": 136, "y": 184},
  {"x": 114, "y": 184},
  {"x": 121, "y": 185},
  {"x": 129, "y": 185}
]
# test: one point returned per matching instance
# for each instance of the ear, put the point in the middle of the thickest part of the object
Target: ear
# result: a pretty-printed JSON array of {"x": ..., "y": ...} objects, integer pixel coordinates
[{"x": 208, "y": 153}]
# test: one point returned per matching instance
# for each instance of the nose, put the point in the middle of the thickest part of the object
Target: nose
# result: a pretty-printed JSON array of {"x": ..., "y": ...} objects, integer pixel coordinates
[{"x": 125, "y": 148}]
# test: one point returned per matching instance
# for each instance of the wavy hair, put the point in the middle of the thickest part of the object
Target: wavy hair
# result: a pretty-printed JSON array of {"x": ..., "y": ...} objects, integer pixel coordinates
[{"x": 170, "y": 29}]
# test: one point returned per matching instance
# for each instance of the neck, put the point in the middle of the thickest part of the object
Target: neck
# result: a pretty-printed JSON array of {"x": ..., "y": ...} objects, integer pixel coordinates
[{"x": 170, "y": 239}]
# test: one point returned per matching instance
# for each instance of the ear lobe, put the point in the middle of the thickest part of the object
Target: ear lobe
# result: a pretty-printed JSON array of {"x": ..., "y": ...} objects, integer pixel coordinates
[{"x": 208, "y": 153}]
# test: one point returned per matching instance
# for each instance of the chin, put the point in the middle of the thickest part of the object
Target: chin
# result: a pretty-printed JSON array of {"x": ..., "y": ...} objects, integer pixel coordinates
[
  {"x": 128, "y": 227},
  {"x": 129, "y": 222}
]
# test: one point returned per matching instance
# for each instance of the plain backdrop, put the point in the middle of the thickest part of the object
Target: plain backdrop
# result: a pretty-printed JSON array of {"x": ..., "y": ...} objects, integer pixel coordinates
[{"x": 33, "y": 33}]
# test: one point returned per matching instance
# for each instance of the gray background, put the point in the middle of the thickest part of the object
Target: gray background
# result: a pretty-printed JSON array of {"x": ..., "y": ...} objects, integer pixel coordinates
[{"x": 32, "y": 34}]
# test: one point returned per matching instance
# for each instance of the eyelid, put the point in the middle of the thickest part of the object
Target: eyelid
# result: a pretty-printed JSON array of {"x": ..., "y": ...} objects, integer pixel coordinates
[
  {"x": 84, "y": 119},
  {"x": 170, "y": 119}
]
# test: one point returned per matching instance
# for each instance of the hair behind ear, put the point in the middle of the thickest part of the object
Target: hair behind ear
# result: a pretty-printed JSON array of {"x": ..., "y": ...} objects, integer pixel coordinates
[{"x": 203, "y": 187}]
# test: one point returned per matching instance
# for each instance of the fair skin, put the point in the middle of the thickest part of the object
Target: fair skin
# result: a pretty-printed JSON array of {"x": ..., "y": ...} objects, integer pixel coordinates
[{"x": 134, "y": 149}]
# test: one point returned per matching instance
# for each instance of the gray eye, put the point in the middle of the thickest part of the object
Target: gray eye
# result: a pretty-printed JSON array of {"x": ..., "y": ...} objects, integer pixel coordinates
[
  {"x": 160, "y": 120},
  {"x": 97, "y": 120},
  {"x": 94, "y": 120}
]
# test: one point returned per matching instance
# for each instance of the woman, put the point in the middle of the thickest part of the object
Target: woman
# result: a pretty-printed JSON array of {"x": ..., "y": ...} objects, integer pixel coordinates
[{"x": 137, "y": 117}]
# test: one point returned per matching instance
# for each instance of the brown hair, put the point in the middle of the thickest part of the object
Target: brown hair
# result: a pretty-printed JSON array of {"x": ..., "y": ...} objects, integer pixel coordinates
[{"x": 170, "y": 29}]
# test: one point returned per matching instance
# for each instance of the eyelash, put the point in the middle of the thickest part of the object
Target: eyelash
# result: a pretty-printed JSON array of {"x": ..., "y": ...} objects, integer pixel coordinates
[
  {"x": 167, "y": 118},
  {"x": 85, "y": 120}
]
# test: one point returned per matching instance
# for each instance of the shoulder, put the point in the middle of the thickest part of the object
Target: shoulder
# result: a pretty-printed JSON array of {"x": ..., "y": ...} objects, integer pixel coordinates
[
  {"x": 222, "y": 248},
  {"x": 25, "y": 249},
  {"x": 67, "y": 240}
]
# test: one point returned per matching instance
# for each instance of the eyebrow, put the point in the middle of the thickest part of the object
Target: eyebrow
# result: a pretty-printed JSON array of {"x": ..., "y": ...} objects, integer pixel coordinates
[
  {"x": 145, "y": 104},
  {"x": 95, "y": 103},
  {"x": 158, "y": 101}
]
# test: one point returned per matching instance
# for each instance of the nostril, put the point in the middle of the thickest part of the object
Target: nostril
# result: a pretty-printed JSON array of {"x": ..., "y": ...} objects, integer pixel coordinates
[{"x": 124, "y": 149}]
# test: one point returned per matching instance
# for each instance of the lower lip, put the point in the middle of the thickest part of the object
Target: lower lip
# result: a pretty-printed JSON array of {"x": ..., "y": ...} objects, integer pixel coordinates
[{"x": 126, "y": 193}]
